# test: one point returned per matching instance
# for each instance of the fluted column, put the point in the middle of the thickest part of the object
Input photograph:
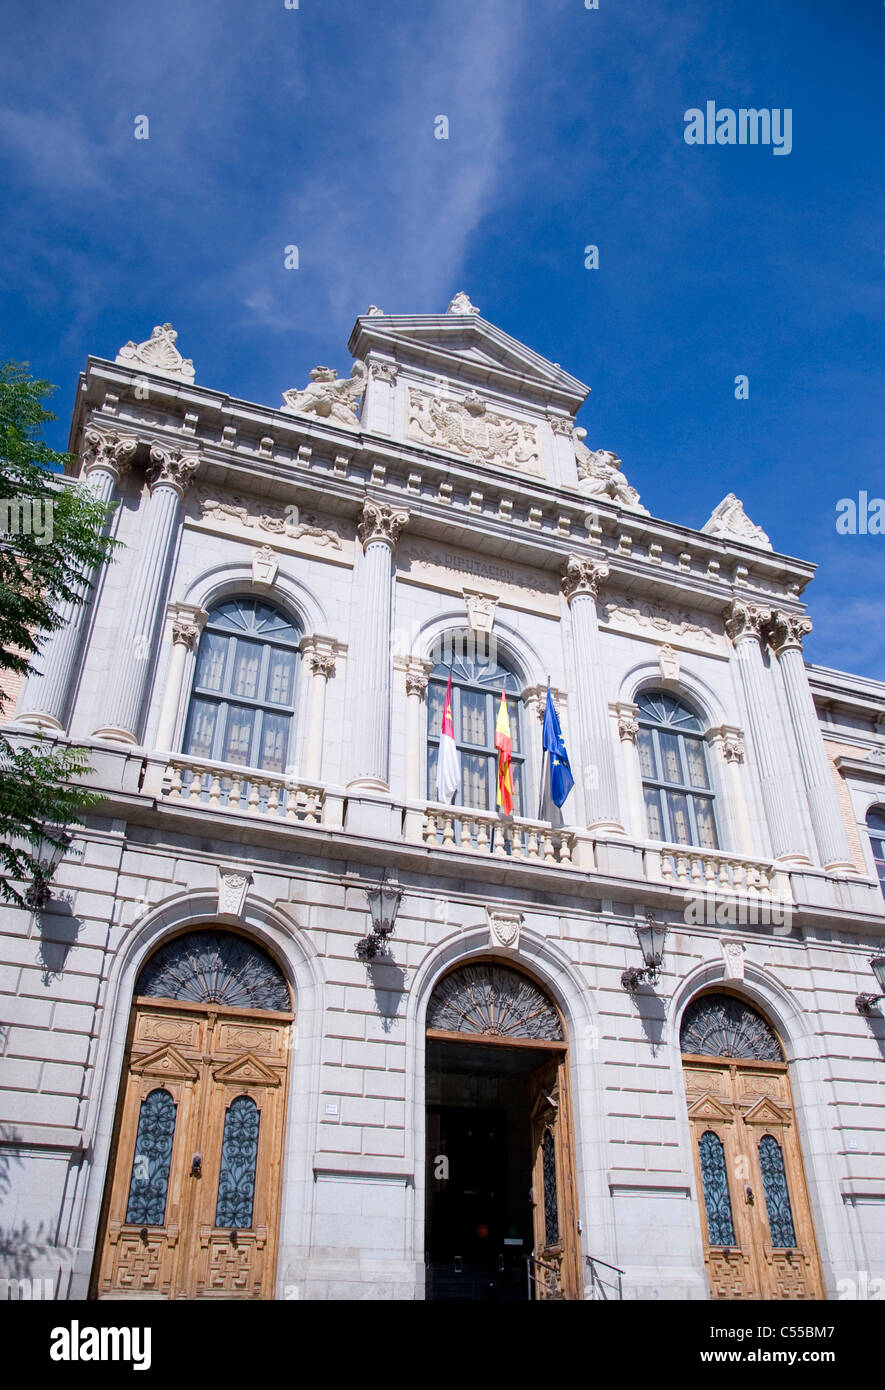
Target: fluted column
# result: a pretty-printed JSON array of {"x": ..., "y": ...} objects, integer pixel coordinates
[
  {"x": 319, "y": 657},
  {"x": 785, "y": 634},
  {"x": 45, "y": 697},
  {"x": 746, "y": 624},
  {"x": 168, "y": 477},
  {"x": 378, "y": 531},
  {"x": 628, "y": 732},
  {"x": 581, "y": 583},
  {"x": 417, "y": 675},
  {"x": 187, "y": 624}
]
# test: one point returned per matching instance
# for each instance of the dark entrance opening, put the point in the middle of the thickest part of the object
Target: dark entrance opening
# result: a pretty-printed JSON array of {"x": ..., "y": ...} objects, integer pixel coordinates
[{"x": 479, "y": 1168}]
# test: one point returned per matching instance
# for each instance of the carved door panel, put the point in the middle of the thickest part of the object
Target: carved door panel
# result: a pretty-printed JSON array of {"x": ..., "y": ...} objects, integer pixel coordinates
[
  {"x": 758, "y": 1235},
  {"x": 193, "y": 1204},
  {"x": 554, "y": 1205}
]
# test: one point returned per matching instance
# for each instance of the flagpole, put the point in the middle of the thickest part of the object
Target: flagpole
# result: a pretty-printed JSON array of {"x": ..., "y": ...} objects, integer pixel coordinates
[{"x": 544, "y": 757}]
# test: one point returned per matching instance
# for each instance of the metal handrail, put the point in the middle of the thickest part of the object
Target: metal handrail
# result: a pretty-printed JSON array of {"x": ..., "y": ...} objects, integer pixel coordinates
[
  {"x": 531, "y": 1260},
  {"x": 598, "y": 1282}
]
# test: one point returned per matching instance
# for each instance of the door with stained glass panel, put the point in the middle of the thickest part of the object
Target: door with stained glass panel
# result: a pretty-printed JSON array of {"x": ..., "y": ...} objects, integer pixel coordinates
[
  {"x": 557, "y": 1269},
  {"x": 756, "y": 1218},
  {"x": 193, "y": 1200}
]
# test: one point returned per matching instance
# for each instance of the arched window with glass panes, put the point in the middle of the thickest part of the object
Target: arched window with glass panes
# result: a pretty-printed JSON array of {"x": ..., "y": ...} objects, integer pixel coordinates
[
  {"x": 478, "y": 677},
  {"x": 676, "y": 781},
  {"x": 876, "y": 831},
  {"x": 242, "y": 705}
]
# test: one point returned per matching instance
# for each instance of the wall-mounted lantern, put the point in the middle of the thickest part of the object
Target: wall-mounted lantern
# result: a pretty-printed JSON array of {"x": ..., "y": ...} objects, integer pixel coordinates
[
  {"x": 383, "y": 905},
  {"x": 651, "y": 936},
  {"x": 864, "y": 1002},
  {"x": 49, "y": 854}
]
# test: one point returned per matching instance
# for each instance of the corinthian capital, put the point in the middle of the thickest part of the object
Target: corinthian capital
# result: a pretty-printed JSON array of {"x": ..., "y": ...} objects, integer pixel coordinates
[
  {"x": 109, "y": 451},
  {"x": 583, "y": 576},
  {"x": 746, "y": 620},
  {"x": 170, "y": 467},
  {"x": 786, "y": 630},
  {"x": 379, "y": 522}
]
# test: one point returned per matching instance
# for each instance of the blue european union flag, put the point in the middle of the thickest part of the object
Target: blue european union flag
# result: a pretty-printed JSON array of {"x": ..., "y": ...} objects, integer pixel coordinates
[{"x": 561, "y": 779}]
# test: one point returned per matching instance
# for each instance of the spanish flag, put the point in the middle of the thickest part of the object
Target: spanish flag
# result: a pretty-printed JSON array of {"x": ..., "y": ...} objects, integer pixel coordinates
[{"x": 505, "y": 769}]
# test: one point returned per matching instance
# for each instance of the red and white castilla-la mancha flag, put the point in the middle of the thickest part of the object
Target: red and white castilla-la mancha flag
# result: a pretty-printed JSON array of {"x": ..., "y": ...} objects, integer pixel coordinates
[{"x": 448, "y": 765}]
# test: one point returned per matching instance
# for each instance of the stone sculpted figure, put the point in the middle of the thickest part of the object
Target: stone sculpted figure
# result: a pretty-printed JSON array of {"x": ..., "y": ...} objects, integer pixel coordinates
[
  {"x": 327, "y": 397},
  {"x": 599, "y": 473}
]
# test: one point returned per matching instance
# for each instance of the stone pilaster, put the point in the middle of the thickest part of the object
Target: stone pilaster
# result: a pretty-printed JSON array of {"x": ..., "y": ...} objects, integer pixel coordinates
[
  {"x": 187, "y": 624},
  {"x": 628, "y": 733},
  {"x": 44, "y": 700},
  {"x": 417, "y": 674},
  {"x": 746, "y": 624},
  {"x": 727, "y": 744},
  {"x": 785, "y": 633},
  {"x": 169, "y": 476},
  {"x": 319, "y": 659},
  {"x": 378, "y": 531},
  {"x": 581, "y": 582}
]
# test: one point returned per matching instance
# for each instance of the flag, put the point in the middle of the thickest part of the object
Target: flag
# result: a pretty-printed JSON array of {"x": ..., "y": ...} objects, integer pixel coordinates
[
  {"x": 505, "y": 768},
  {"x": 448, "y": 764},
  {"x": 561, "y": 779}
]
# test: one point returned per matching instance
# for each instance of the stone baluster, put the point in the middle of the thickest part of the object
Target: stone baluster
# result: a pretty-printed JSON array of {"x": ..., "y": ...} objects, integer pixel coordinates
[
  {"x": 44, "y": 700},
  {"x": 378, "y": 532},
  {"x": 187, "y": 624},
  {"x": 169, "y": 476},
  {"x": 581, "y": 582},
  {"x": 745, "y": 625},
  {"x": 785, "y": 633},
  {"x": 319, "y": 656}
]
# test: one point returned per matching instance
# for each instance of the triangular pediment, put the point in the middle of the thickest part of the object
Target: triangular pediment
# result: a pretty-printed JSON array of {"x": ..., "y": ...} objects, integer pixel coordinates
[
  {"x": 767, "y": 1112},
  {"x": 166, "y": 1062},
  {"x": 708, "y": 1107},
  {"x": 467, "y": 347},
  {"x": 248, "y": 1070}
]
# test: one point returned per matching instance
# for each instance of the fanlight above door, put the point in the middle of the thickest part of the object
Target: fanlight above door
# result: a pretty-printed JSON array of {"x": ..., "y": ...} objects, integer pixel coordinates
[
  {"x": 493, "y": 1001},
  {"x": 215, "y": 967},
  {"x": 721, "y": 1025}
]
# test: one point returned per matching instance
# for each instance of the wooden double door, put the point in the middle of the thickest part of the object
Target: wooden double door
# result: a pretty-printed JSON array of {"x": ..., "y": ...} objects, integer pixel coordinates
[
  {"x": 193, "y": 1203},
  {"x": 758, "y": 1235}
]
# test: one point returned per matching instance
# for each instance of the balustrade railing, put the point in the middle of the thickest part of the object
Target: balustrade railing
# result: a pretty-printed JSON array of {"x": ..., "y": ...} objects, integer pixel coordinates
[
  {"x": 713, "y": 871},
  {"x": 243, "y": 790},
  {"x": 484, "y": 832}
]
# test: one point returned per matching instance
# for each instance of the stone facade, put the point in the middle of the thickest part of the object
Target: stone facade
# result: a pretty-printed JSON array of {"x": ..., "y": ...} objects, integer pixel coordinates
[{"x": 440, "y": 487}]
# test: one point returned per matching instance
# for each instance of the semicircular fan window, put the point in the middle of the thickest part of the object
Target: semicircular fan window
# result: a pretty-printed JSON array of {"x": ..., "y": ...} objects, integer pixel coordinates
[
  {"x": 720, "y": 1025},
  {"x": 493, "y": 1001},
  {"x": 215, "y": 967}
]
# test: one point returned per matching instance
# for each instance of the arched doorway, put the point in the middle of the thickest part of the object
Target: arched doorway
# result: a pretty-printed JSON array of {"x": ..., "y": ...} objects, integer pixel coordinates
[
  {"x": 501, "y": 1209},
  {"x": 757, "y": 1228},
  {"x": 192, "y": 1201}
]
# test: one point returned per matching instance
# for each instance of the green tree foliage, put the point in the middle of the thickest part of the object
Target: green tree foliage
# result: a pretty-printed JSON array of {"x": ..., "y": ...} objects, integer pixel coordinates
[{"x": 51, "y": 536}]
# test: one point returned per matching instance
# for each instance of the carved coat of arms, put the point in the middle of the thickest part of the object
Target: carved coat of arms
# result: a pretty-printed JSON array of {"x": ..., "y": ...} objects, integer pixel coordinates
[{"x": 468, "y": 427}]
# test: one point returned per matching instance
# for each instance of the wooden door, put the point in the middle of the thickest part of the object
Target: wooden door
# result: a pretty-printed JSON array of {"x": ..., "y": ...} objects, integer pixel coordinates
[
  {"x": 756, "y": 1219},
  {"x": 554, "y": 1204},
  {"x": 192, "y": 1209}
]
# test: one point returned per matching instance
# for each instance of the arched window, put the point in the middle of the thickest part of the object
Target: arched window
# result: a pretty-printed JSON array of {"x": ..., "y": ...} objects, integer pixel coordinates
[
  {"x": 243, "y": 700},
  {"x": 477, "y": 681},
  {"x": 675, "y": 773},
  {"x": 876, "y": 828}
]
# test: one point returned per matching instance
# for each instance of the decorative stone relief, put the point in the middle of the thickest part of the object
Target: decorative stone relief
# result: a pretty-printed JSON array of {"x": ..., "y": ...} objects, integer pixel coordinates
[
  {"x": 187, "y": 624},
  {"x": 327, "y": 398},
  {"x": 468, "y": 427},
  {"x": 504, "y": 928},
  {"x": 732, "y": 748},
  {"x": 668, "y": 662},
  {"x": 747, "y": 620},
  {"x": 674, "y": 624},
  {"x": 373, "y": 311},
  {"x": 733, "y": 954},
  {"x": 171, "y": 468},
  {"x": 159, "y": 355},
  {"x": 599, "y": 475},
  {"x": 264, "y": 565},
  {"x": 480, "y": 610},
  {"x": 787, "y": 630},
  {"x": 583, "y": 576},
  {"x": 110, "y": 451},
  {"x": 628, "y": 724},
  {"x": 232, "y": 886},
  {"x": 876, "y": 755},
  {"x": 383, "y": 371},
  {"x": 461, "y": 305},
  {"x": 730, "y": 521},
  {"x": 379, "y": 522},
  {"x": 227, "y": 508}
]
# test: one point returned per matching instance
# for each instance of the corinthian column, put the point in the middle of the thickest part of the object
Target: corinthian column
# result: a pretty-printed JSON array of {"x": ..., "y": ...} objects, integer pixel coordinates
[
  {"x": 745, "y": 625},
  {"x": 319, "y": 656},
  {"x": 187, "y": 624},
  {"x": 378, "y": 531},
  {"x": 785, "y": 634},
  {"x": 417, "y": 676},
  {"x": 581, "y": 583},
  {"x": 45, "y": 697},
  {"x": 168, "y": 477}
]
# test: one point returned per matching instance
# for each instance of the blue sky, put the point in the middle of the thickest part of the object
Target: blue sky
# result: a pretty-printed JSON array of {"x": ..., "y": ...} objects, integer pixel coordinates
[{"x": 314, "y": 126}]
